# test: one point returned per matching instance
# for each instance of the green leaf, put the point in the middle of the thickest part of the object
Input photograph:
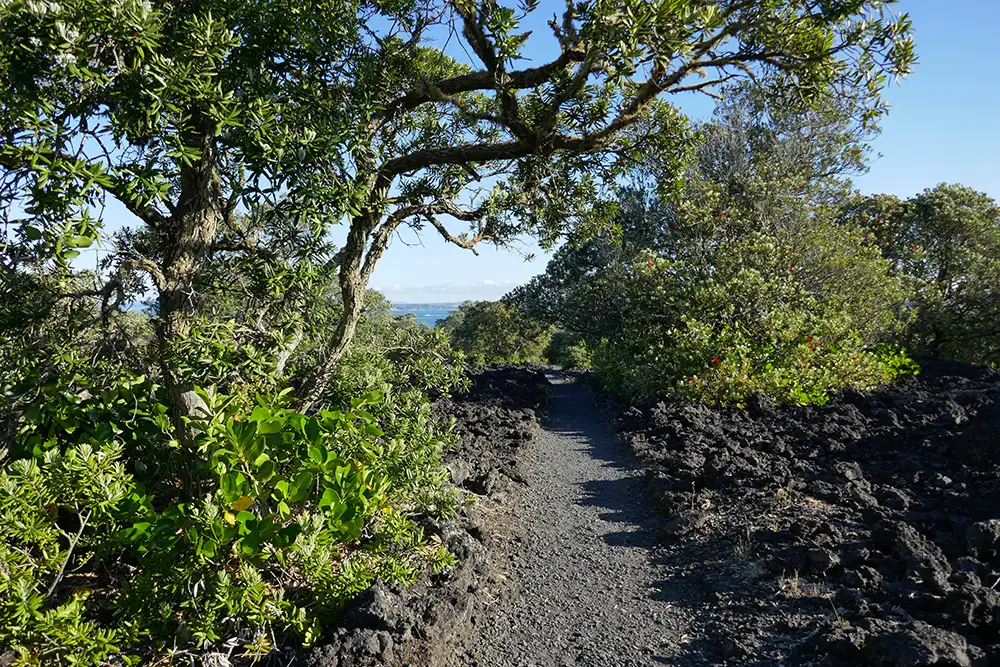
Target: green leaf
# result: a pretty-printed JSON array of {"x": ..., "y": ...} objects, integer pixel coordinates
[
  {"x": 208, "y": 548},
  {"x": 244, "y": 516},
  {"x": 318, "y": 453},
  {"x": 330, "y": 497},
  {"x": 271, "y": 426},
  {"x": 250, "y": 545},
  {"x": 299, "y": 488},
  {"x": 288, "y": 535}
]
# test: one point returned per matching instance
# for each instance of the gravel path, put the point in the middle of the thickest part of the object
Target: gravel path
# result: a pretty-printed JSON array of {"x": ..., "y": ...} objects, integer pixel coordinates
[{"x": 585, "y": 591}]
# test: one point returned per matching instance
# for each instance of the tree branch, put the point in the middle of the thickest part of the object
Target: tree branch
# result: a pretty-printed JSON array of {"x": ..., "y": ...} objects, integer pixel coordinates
[
  {"x": 116, "y": 188},
  {"x": 481, "y": 80},
  {"x": 467, "y": 243}
]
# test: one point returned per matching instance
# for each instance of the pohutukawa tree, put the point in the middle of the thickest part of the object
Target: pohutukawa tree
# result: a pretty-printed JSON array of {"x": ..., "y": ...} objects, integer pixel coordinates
[{"x": 193, "y": 114}]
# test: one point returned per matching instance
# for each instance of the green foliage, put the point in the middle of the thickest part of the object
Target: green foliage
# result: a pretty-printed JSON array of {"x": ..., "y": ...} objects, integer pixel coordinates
[
  {"x": 946, "y": 242},
  {"x": 327, "y": 501},
  {"x": 743, "y": 281},
  {"x": 569, "y": 350},
  {"x": 493, "y": 332},
  {"x": 60, "y": 513},
  {"x": 261, "y": 527},
  {"x": 748, "y": 327},
  {"x": 290, "y": 496}
]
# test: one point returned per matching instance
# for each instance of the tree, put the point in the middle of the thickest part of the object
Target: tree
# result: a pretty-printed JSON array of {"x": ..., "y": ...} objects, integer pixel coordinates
[
  {"x": 491, "y": 332},
  {"x": 192, "y": 114},
  {"x": 739, "y": 276},
  {"x": 769, "y": 155},
  {"x": 946, "y": 241}
]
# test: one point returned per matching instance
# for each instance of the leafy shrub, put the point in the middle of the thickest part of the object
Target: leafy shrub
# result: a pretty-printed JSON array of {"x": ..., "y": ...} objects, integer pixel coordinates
[
  {"x": 285, "y": 517},
  {"x": 497, "y": 332},
  {"x": 291, "y": 497},
  {"x": 60, "y": 513},
  {"x": 946, "y": 242},
  {"x": 713, "y": 307},
  {"x": 569, "y": 350},
  {"x": 117, "y": 536},
  {"x": 749, "y": 327}
]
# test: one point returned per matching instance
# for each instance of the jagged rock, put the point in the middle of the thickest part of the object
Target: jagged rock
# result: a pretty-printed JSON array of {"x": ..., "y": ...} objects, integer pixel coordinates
[{"x": 918, "y": 645}]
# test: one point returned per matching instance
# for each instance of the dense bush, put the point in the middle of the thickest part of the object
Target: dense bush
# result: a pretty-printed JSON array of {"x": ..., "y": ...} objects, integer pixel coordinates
[
  {"x": 743, "y": 280},
  {"x": 747, "y": 327},
  {"x": 946, "y": 242},
  {"x": 116, "y": 536},
  {"x": 736, "y": 300},
  {"x": 491, "y": 332},
  {"x": 569, "y": 350}
]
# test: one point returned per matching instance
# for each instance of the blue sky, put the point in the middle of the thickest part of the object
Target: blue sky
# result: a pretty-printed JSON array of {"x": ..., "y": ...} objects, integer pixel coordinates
[{"x": 944, "y": 126}]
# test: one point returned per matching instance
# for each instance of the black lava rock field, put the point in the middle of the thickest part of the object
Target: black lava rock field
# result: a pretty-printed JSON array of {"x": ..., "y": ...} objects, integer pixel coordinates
[{"x": 863, "y": 532}]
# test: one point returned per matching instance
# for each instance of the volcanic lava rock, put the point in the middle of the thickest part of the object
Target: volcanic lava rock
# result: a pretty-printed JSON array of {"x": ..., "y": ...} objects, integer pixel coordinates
[{"x": 863, "y": 532}]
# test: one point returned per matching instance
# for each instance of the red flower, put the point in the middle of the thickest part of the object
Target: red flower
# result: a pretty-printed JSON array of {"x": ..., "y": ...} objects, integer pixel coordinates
[
  {"x": 809, "y": 339},
  {"x": 716, "y": 360},
  {"x": 649, "y": 264},
  {"x": 692, "y": 378}
]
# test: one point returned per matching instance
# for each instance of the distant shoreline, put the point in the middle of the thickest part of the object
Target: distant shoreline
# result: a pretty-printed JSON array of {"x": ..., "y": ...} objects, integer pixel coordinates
[{"x": 426, "y": 313}]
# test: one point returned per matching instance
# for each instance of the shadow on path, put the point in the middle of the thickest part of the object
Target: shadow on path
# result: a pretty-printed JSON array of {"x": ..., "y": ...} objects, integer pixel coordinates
[
  {"x": 586, "y": 590},
  {"x": 575, "y": 414}
]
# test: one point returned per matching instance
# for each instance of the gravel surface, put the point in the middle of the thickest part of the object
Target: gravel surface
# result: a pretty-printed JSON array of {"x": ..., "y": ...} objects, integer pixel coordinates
[{"x": 584, "y": 590}]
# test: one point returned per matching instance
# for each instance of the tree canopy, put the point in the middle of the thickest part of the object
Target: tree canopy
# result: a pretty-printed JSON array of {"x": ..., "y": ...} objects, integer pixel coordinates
[{"x": 193, "y": 114}]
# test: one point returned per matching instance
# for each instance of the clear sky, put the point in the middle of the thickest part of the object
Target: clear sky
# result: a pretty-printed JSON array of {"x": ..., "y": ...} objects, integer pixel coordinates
[{"x": 944, "y": 126}]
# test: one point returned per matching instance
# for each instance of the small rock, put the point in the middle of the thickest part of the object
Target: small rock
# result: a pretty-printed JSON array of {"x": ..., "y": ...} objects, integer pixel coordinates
[
  {"x": 822, "y": 559},
  {"x": 460, "y": 471},
  {"x": 923, "y": 558},
  {"x": 730, "y": 649},
  {"x": 942, "y": 480},
  {"x": 894, "y": 498},
  {"x": 685, "y": 522},
  {"x": 919, "y": 645},
  {"x": 982, "y": 540},
  {"x": 376, "y": 608}
]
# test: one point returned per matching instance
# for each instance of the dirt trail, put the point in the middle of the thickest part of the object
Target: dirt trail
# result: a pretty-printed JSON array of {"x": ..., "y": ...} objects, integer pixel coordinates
[{"x": 584, "y": 590}]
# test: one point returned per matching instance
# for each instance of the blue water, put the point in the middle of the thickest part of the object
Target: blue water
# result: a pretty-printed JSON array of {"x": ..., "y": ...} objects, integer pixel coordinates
[{"x": 427, "y": 313}]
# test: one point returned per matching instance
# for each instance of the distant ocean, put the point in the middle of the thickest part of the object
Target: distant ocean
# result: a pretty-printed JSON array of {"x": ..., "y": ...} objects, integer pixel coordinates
[{"x": 427, "y": 313}]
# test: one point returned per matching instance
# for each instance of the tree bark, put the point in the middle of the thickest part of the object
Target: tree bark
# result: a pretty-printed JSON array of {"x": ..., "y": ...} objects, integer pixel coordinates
[
  {"x": 352, "y": 291},
  {"x": 187, "y": 241},
  {"x": 356, "y": 268}
]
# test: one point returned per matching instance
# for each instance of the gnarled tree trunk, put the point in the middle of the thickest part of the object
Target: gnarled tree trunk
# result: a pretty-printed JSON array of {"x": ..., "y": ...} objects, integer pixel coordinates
[{"x": 188, "y": 238}]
